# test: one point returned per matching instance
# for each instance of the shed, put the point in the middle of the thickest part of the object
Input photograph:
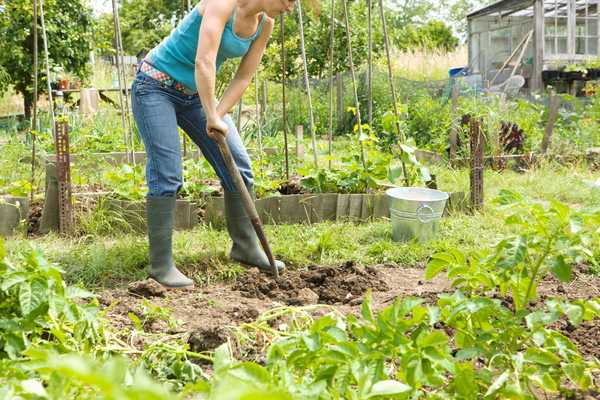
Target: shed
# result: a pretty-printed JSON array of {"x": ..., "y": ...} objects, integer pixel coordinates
[{"x": 563, "y": 32}]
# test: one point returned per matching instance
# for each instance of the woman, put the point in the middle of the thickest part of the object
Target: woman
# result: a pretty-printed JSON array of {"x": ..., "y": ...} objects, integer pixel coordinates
[{"x": 175, "y": 86}]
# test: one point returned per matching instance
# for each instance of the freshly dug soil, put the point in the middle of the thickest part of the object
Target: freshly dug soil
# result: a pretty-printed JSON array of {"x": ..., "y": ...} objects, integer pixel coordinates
[
  {"x": 205, "y": 316},
  {"x": 294, "y": 186},
  {"x": 34, "y": 217},
  {"x": 317, "y": 285}
]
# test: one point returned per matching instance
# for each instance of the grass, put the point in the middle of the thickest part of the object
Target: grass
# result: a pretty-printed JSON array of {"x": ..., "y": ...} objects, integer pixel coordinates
[{"x": 112, "y": 260}]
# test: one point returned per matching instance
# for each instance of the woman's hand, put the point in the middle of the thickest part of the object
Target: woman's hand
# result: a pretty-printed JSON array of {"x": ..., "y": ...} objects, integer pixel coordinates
[{"x": 216, "y": 126}]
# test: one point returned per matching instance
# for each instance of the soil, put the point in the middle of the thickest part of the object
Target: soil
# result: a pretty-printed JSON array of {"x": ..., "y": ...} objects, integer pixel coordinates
[
  {"x": 293, "y": 186},
  {"x": 34, "y": 217},
  {"x": 205, "y": 317},
  {"x": 317, "y": 285}
]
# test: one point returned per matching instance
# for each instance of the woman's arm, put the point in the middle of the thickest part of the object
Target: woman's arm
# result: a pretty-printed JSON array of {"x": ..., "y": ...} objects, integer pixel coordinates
[
  {"x": 214, "y": 18},
  {"x": 246, "y": 70}
]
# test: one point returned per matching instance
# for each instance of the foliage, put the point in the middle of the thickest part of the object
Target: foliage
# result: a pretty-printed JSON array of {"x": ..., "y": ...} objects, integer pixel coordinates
[
  {"x": 144, "y": 24},
  {"x": 37, "y": 308},
  {"x": 69, "y": 25},
  {"x": 434, "y": 35},
  {"x": 552, "y": 237},
  {"x": 126, "y": 182}
]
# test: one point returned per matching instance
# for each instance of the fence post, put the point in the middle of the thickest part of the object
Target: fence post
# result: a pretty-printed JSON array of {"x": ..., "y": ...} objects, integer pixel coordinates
[
  {"x": 552, "y": 117},
  {"x": 63, "y": 168},
  {"x": 477, "y": 164}
]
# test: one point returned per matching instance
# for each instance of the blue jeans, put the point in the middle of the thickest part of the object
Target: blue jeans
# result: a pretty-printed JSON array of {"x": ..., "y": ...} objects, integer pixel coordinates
[{"x": 158, "y": 111}]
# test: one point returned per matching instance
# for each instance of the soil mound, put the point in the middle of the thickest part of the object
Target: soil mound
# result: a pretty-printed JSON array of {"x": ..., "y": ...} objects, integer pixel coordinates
[{"x": 323, "y": 285}]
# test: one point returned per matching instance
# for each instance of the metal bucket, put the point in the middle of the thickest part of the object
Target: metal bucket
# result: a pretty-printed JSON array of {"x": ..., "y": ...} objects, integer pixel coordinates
[{"x": 415, "y": 212}]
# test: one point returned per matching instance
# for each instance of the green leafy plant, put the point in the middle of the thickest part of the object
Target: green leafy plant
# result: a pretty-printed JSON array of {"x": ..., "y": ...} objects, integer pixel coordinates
[{"x": 126, "y": 182}]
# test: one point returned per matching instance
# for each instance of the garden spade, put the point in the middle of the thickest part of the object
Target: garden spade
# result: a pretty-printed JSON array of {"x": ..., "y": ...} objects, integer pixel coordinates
[{"x": 246, "y": 199}]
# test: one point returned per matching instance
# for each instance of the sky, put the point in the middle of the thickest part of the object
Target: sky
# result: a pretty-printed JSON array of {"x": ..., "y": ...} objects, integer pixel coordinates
[{"x": 101, "y": 6}]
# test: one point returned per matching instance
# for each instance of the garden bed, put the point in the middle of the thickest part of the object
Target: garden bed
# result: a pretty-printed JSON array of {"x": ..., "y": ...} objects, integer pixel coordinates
[
  {"x": 320, "y": 207},
  {"x": 208, "y": 316}
]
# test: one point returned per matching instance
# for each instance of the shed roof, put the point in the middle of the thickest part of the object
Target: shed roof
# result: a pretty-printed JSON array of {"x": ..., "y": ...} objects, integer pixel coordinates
[{"x": 504, "y": 6}]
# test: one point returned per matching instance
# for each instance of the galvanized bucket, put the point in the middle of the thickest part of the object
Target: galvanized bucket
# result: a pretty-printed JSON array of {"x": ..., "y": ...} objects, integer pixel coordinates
[{"x": 415, "y": 212}]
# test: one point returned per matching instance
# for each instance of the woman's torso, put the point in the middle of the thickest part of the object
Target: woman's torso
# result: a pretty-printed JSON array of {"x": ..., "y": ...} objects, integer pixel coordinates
[{"x": 176, "y": 55}]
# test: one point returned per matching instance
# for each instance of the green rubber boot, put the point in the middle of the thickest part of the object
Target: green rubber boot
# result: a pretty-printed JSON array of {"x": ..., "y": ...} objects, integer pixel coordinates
[
  {"x": 160, "y": 213},
  {"x": 246, "y": 248}
]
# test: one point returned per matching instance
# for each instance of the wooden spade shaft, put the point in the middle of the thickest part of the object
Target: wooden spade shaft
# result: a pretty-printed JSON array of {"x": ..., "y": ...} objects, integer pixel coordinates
[{"x": 246, "y": 199}]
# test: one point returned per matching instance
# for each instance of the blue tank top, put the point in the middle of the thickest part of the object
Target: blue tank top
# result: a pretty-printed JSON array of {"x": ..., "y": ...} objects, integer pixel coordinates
[{"x": 176, "y": 55}]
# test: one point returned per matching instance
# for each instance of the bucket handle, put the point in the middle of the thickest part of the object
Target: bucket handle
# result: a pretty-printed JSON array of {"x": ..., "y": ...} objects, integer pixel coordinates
[{"x": 425, "y": 217}]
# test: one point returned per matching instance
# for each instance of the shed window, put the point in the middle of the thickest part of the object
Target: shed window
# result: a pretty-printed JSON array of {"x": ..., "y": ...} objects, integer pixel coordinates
[
  {"x": 586, "y": 31},
  {"x": 556, "y": 26}
]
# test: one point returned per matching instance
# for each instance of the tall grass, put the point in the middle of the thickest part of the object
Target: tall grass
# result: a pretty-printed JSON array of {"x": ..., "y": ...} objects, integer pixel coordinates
[{"x": 427, "y": 64}]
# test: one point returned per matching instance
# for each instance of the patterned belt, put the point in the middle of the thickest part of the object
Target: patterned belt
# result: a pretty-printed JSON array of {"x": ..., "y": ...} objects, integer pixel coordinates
[{"x": 149, "y": 70}]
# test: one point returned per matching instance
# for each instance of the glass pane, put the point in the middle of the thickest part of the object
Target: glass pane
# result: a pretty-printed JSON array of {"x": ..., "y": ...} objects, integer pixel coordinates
[
  {"x": 593, "y": 46},
  {"x": 580, "y": 46},
  {"x": 562, "y": 45},
  {"x": 593, "y": 27},
  {"x": 549, "y": 46},
  {"x": 580, "y": 27},
  {"x": 561, "y": 29}
]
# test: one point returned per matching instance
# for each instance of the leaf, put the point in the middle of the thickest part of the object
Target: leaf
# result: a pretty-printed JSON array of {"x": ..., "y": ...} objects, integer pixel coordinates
[
  {"x": 25, "y": 299},
  {"x": 560, "y": 269},
  {"x": 388, "y": 388},
  {"x": 498, "y": 383},
  {"x": 541, "y": 356},
  {"x": 12, "y": 280},
  {"x": 222, "y": 358},
  {"x": 251, "y": 372},
  {"x": 545, "y": 381},
  {"x": 434, "y": 339},
  {"x": 574, "y": 313},
  {"x": 576, "y": 373},
  {"x": 435, "y": 266},
  {"x": 136, "y": 321},
  {"x": 365, "y": 308}
]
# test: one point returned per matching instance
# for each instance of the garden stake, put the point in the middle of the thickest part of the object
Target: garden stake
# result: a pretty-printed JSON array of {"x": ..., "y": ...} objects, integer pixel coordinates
[
  {"x": 307, "y": 83},
  {"x": 246, "y": 199},
  {"x": 123, "y": 99},
  {"x": 331, "y": 37},
  {"x": 283, "y": 100},
  {"x": 34, "y": 119},
  {"x": 363, "y": 156}
]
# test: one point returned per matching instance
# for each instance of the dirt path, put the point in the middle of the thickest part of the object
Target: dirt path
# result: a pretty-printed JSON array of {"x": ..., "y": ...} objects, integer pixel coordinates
[{"x": 204, "y": 314}]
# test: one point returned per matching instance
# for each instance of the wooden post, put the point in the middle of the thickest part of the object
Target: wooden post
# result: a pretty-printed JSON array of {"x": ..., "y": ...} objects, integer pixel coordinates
[
  {"x": 538, "y": 46},
  {"x": 330, "y": 127},
  {"x": 339, "y": 102},
  {"x": 455, "y": 123},
  {"x": 552, "y": 116},
  {"x": 311, "y": 116},
  {"x": 300, "y": 143},
  {"x": 63, "y": 167},
  {"x": 283, "y": 100},
  {"x": 477, "y": 147},
  {"x": 263, "y": 102},
  {"x": 34, "y": 118}
]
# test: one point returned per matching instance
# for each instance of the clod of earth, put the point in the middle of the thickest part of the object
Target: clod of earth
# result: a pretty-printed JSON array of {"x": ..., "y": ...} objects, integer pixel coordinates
[
  {"x": 147, "y": 288},
  {"x": 323, "y": 285}
]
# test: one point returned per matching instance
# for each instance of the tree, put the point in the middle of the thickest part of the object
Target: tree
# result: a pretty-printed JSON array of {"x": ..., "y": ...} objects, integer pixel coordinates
[
  {"x": 434, "y": 35},
  {"x": 68, "y": 23},
  {"x": 144, "y": 23},
  {"x": 316, "y": 30}
]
